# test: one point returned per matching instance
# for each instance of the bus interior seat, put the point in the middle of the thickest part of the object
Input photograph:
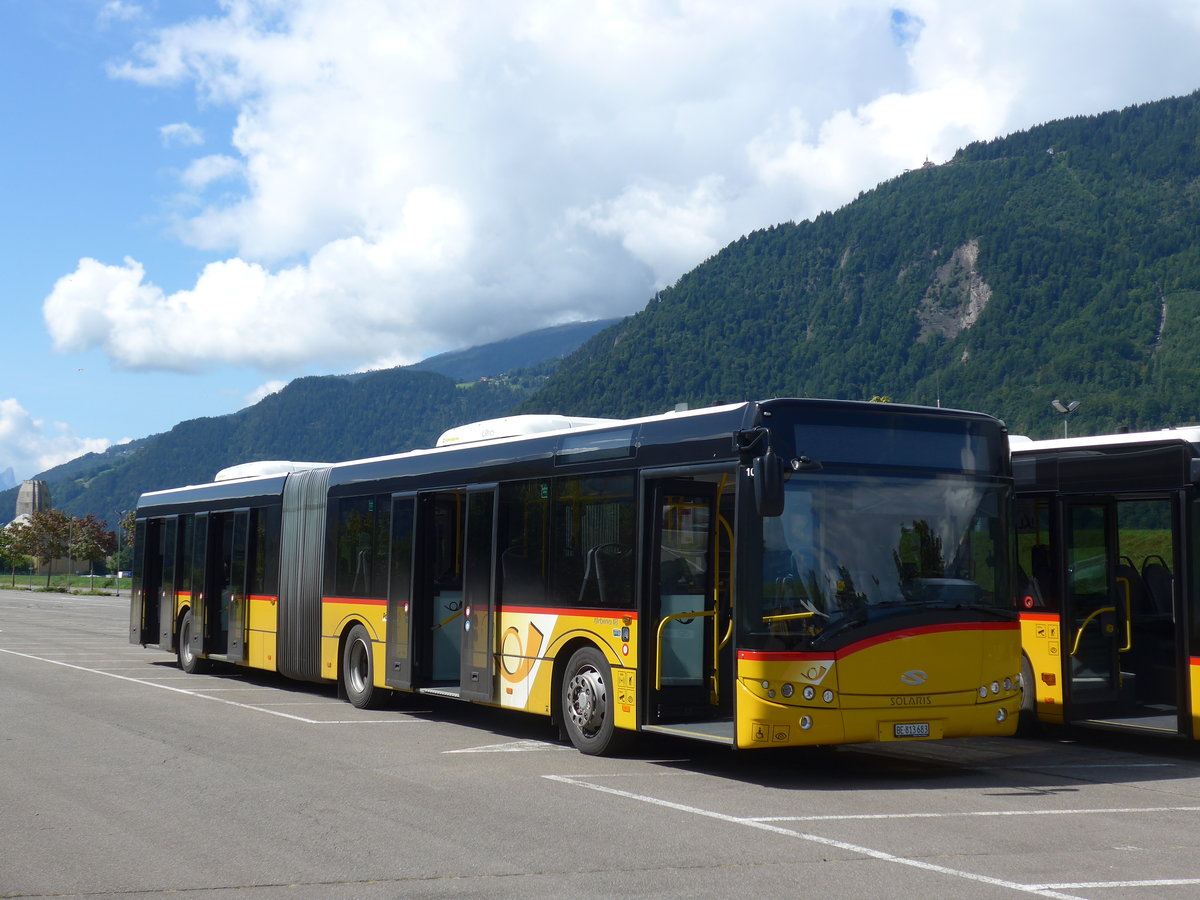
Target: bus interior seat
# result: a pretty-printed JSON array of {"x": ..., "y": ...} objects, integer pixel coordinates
[
  {"x": 521, "y": 576},
  {"x": 610, "y": 566},
  {"x": 1159, "y": 583},
  {"x": 1043, "y": 572}
]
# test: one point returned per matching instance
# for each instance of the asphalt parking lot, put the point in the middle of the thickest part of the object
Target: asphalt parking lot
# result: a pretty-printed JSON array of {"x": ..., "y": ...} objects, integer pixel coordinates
[{"x": 122, "y": 776}]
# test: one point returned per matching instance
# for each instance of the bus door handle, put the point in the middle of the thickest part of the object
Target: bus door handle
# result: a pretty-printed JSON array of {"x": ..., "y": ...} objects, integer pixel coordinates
[
  {"x": 658, "y": 649},
  {"x": 1094, "y": 614}
]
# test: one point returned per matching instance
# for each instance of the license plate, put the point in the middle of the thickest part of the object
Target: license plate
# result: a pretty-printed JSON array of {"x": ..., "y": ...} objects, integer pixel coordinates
[{"x": 911, "y": 729}]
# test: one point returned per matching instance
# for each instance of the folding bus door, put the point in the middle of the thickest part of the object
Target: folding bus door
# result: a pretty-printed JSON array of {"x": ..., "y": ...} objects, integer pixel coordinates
[
  {"x": 239, "y": 600},
  {"x": 400, "y": 589},
  {"x": 202, "y": 586},
  {"x": 147, "y": 575},
  {"x": 219, "y": 617},
  {"x": 479, "y": 595}
]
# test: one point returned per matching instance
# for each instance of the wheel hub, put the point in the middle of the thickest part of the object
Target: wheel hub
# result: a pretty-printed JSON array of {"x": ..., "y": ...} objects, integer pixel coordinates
[{"x": 586, "y": 700}]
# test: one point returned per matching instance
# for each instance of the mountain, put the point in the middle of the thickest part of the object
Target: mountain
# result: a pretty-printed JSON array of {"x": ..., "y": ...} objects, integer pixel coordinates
[
  {"x": 321, "y": 418},
  {"x": 522, "y": 352},
  {"x": 1059, "y": 262}
]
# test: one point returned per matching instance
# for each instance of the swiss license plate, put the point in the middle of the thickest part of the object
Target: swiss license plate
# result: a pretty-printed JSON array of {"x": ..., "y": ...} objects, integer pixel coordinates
[{"x": 911, "y": 729}]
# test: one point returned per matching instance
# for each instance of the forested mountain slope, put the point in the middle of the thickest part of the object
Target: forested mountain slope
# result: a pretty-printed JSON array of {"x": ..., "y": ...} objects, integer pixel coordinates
[{"x": 1063, "y": 261}]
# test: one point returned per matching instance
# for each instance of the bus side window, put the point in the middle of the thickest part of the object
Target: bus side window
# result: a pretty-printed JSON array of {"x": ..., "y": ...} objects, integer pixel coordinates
[
  {"x": 524, "y": 510},
  {"x": 591, "y": 561}
]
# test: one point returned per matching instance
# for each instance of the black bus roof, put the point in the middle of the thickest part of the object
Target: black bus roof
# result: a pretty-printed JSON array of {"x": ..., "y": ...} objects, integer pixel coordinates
[{"x": 683, "y": 437}]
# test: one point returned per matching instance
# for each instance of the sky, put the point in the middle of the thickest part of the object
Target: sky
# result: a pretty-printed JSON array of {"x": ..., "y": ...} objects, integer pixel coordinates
[{"x": 204, "y": 199}]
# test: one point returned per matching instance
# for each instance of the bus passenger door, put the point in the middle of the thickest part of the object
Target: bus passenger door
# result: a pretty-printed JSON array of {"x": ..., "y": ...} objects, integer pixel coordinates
[
  {"x": 437, "y": 602},
  {"x": 239, "y": 601},
  {"x": 201, "y": 586},
  {"x": 168, "y": 536},
  {"x": 144, "y": 625},
  {"x": 1095, "y": 618},
  {"x": 400, "y": 588},
  {"x": 681, "y": 640},
  {"x": 219, "y": 619},
  {"x": 1121, "y": 615},
  {"x": 479, "y": 593}
]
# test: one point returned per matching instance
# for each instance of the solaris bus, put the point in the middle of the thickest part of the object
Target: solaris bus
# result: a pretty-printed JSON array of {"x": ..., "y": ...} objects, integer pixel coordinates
[{"x": 759, "y": 574}]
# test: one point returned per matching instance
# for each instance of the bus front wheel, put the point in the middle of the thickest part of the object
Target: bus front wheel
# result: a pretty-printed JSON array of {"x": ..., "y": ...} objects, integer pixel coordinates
[
  {"x": 587, "y": 704},
  {"x": 358, "y": 670}
]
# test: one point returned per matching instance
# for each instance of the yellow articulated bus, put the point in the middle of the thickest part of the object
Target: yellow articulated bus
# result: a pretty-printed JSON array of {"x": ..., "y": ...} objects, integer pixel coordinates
[
  {"x": 762, "y": 574},
  {"x": 1107, "y": 530}
]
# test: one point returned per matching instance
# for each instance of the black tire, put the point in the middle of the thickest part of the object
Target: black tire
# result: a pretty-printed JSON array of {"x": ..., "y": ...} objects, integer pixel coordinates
[
  {"x": 188, "y": 661},
  {"x": 358, "y": 670},
  {"x": 587, "y": 704},
  {"x": 1027, "y": 720}
]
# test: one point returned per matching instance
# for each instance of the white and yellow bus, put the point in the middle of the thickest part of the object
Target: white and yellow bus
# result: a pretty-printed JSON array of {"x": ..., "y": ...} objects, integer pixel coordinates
[
  {"x": 762, "y": 574},
  {"x": 1107, "y": 531}
]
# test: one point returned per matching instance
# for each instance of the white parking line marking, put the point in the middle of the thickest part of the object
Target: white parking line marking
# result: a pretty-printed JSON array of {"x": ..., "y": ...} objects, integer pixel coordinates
[
  {"x": 1039, "y": 890},
  {"x": 166, "y": 687},
  {"x": 983, "y": 814},
  {"x": 511, "y": 747},
  {"x": 1162, "y": 882}
]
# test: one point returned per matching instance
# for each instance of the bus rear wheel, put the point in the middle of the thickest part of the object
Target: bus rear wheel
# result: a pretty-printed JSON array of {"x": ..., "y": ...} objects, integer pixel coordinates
[
  {"x": 358, "y": 670},
  {"x": 587, "y": 704},
  {"x": 188, "y": 660}
]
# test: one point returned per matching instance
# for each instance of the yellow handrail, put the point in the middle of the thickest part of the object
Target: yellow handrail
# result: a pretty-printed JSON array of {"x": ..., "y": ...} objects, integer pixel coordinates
[{"x": 1128, "y": 617}]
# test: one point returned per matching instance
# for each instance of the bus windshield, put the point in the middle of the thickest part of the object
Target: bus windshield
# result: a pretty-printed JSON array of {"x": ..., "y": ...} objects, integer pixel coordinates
[{"x": 851, "y": 550}]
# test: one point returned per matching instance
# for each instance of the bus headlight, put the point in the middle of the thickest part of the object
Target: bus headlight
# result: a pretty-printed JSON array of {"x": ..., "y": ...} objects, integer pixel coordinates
[
  {"x": 1001, "y": 714},
  {"x": 827, "y": 696},
  {"x": 806, "y": 722},
  {"x": 1008, "y": 684},
  {"x": 995, "y": 687},
  {"x": 983, "y": 692},
  {"x": 787, "y": 690},
  {"x": 809, "y": 692}
]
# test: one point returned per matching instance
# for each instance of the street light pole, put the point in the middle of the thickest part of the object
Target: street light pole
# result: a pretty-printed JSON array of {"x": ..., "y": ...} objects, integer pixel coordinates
[{"x": 1066, "y": 409}]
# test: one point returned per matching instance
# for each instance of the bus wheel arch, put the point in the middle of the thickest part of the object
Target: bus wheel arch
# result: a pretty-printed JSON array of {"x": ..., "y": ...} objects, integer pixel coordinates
[
  {"x": 584, "y": 701},
  {"x": 356, "y": 669},
  {"x": 189, "y": 662}
]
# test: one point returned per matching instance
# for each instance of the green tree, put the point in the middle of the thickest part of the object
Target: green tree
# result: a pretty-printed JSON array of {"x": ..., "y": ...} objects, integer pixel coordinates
[
  {"x": 45, "y": 536},
  {"x": 90, "y": 540},
  {"x": 9, "y": 555}
]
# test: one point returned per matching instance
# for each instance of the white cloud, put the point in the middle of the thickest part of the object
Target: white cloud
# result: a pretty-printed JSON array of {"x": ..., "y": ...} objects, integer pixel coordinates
[
  {"x": 181, "y": 134},
  {"x": 416, "y": 177},
  {"x": 207, "y": 169},
  {"x": 32, "y": 445},
  {"x": 264, "y": 390},
  {"x": 118, "y": 11}
]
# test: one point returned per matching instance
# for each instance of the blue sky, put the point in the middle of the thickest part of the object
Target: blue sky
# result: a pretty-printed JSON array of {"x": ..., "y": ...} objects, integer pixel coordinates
[{"x": 207, "y": 199}]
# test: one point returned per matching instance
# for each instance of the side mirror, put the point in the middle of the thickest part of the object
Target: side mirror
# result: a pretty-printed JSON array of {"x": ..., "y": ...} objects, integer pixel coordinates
[{"x": 767, "y": 474}]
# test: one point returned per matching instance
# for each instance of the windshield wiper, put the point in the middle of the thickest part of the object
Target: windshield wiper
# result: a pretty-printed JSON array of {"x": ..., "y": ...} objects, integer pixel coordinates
[{"x": 852, "y": 621}]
